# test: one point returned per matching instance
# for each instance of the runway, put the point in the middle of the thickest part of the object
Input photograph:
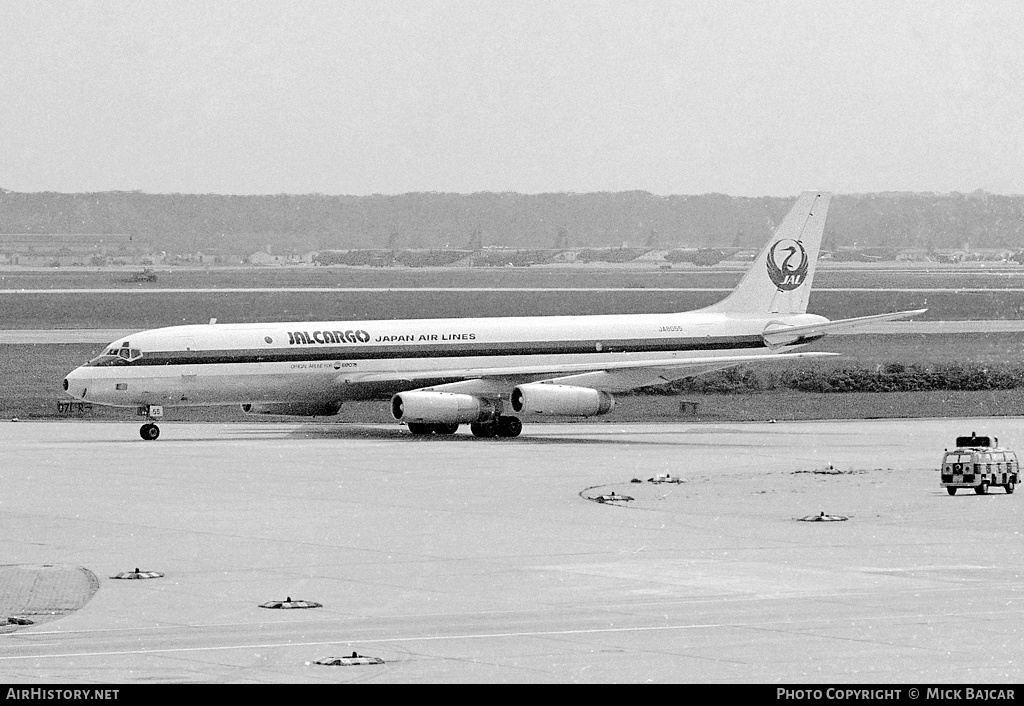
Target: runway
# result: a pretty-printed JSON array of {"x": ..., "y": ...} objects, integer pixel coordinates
[{"x": 470, "y": 560}]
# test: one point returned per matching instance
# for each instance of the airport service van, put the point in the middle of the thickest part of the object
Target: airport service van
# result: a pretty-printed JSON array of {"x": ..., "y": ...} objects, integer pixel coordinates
[{"x": 977, "y": 463}]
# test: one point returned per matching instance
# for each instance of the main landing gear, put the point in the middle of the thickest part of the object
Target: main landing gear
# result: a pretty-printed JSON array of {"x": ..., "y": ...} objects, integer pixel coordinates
[
  {"x": 150, "y": 431},
  {"x": 507, "y": 427},
  {"x": 420, "y": 429}
]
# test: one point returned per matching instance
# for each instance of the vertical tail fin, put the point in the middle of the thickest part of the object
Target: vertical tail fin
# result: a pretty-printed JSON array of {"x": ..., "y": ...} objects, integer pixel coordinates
[{"x": 779, "y": 280}]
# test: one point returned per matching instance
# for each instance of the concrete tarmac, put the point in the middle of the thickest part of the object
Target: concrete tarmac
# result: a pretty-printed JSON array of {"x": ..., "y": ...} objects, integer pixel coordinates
[{"x": 487, "y": 560}]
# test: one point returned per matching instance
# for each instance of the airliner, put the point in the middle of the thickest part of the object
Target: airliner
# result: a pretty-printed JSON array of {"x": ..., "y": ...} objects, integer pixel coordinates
[{"x": 484, "y": 372}]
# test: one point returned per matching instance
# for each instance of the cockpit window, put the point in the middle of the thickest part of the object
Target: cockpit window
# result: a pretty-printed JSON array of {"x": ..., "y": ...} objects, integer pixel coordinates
[
  {"x": 106, "y": 360},
  {"x": 116, "y": 356}
]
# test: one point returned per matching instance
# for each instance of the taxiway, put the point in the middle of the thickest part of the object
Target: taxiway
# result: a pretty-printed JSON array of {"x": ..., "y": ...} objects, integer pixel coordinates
[{"x": 467, "y": 560}]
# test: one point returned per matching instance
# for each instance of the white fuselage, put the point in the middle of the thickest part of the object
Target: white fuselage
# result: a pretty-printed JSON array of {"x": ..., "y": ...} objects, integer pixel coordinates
[{"x": 222, "y": 364}]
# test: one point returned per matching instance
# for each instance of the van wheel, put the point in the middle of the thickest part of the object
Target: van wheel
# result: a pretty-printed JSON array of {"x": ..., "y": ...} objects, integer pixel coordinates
[
  {"x": 1009, "y": 488},
  {"x": 951, "y": 490},
  {"x": 981, "y": 489}
]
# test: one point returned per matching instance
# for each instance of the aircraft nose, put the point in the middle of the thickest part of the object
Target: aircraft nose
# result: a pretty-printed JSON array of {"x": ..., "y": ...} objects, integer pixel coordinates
[{"x": 75, "y": 385}]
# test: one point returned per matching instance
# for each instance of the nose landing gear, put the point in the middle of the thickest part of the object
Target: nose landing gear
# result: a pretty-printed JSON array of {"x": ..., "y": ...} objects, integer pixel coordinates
[{"x": 150, "y": 431}]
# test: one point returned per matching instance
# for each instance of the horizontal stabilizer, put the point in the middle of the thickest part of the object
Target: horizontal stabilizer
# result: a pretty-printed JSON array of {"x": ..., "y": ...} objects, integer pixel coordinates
[{"x": 787, "y": 334}]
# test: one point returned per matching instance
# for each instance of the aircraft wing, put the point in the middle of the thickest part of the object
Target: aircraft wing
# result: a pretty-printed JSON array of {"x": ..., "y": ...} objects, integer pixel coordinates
[
  {"x": 621, "y": 375},
  {"x": 787, "y": 334}
]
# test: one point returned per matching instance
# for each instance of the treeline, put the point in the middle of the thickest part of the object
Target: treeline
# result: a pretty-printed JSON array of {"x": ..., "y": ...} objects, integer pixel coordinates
[
  {"x": 892, "y": 377},
  {"x": 301, "y": 223}
]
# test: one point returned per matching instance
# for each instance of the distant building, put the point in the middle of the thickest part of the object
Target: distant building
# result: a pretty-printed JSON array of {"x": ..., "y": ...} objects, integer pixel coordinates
[
  {"x": 61, "y": 250},
  {"x": 265, "y": 259}
]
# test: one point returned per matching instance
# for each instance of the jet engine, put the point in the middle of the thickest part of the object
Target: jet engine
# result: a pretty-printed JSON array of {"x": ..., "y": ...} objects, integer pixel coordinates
[
  {"x": 298, "y": 409},
  {"x": 422, "y": 406},
  {"x": 566, "y": 400}
]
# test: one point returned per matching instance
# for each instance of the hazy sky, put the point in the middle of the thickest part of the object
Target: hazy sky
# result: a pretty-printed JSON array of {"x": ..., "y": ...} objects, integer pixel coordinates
[{"x": 352, "y": 97}]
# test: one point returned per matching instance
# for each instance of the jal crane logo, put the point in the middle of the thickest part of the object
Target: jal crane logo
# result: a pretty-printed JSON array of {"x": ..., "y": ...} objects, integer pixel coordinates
[{"x": 787, "y": 264}]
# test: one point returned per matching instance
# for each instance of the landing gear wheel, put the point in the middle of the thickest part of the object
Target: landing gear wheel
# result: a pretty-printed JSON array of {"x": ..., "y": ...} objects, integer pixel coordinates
[
  {"x": 981, "y": 489},
  {"x": 484, "y": 430},
  {"x": 446, "y": 428},
  {"x": 1009, "y": 487},
  {"x": 149, "y": 432},
  {"x": 951, "y": 490},
  {"x": 509, "y": 427},
  {"x": 420, "y": 428}
]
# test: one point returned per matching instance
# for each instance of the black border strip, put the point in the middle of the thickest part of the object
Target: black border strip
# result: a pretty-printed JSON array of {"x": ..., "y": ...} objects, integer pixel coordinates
[{"x": 311, "y": 353}]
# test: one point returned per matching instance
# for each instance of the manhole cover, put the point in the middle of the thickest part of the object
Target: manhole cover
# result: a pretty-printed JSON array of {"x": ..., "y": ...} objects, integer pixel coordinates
[
  {"x": 137, "y": 574},
  {"x": 289, "y": 603},
  {"x": 15, "y": 620},
  {"x": 354, "y": 660},
  {"x": 666, "y": 478},
  {"x": 822, "y": 517},
  {"x": 612, "y": 497}
]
